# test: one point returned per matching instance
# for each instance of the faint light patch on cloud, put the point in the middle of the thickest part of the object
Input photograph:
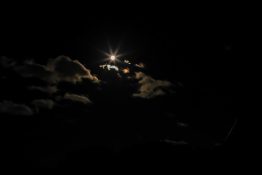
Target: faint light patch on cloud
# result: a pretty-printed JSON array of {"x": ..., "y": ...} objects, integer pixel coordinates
[
  {"x": 150, "y": 88},
  {"x": 43, "y": 104},
  {"x": 11, "y": 108},
  {"x": 109, "y": 67},
  {"x": 47, "y": 89},
  {"x": 61, "y": 68},
  {"x": 77, "y": 98}
]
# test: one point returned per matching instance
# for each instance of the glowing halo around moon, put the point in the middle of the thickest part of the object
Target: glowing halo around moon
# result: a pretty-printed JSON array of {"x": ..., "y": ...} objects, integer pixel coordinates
[{"x": 112, "y": 55}]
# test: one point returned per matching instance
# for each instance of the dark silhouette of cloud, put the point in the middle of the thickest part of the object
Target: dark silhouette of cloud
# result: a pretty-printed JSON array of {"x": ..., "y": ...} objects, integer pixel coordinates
[
  {"x": 77, "y": 98},
  {"x": 149, "y": 87},
  {"x": 43, "y": 104},
  {"x": 11, "y": 108},
  {"x": 31, "y": 69}
]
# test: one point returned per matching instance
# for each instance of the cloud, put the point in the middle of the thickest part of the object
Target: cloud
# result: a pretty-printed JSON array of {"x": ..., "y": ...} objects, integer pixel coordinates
[
  {"x": 47, "y": 89},
  {"x": 127, "y": 61},
  {"x": 140, "y": 65},
  {"x": 31, "y": 69},
  {"x": 77, "y": 98},
  {"x": 11, "y": 108},
  {"x": 61, "y": 68},
  {"x": 70, "y": 70},
  {"x": 43, "y": 104},
  {"x": 6, "y": 62},
  {"x": 149, "y": 87},
  {"x": 109, "y": 67}
]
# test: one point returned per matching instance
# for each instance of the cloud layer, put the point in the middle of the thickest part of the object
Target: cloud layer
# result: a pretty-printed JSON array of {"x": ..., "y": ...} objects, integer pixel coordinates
[
  {"x": 64, "y": 69},
  {"x": 59, "y": 69}
]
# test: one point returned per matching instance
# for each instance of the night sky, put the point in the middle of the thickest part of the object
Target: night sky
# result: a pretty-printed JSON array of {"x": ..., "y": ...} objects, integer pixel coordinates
[{"x": 60, "y": 107}]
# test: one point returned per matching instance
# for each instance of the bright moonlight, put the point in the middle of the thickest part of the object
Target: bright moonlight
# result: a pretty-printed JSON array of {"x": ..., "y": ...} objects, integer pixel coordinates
[{"x": 113, "y": 57}]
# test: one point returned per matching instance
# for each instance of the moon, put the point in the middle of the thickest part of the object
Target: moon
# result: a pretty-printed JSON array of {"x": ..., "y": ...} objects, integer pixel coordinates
[{"x": 112, "y": 57}]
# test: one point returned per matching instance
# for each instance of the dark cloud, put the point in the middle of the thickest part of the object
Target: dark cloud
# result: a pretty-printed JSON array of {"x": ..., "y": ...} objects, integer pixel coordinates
[
  {"x": 47, "y": 89},
  {"x": 43, "y": 104},
  {"x": 31, "y": 69},
  {"x": 149, "y": 87},
  {"x": 6, "y": 62},
  {"x": 61, "y": 68},
  {"x": 11, "y": 108},
  {"x": 77, "y": 98}
]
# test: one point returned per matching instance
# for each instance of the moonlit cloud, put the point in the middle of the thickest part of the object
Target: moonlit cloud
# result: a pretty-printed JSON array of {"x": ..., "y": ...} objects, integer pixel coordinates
[
  {"x": 149, "y": 87},
  {"x": 77, "y": 98},
  {"x": 109, "y": 67},
  {"x": 59, "y": 69},
  {"x": 70, "y": 70},
  {"x": 11, "y": 108}
]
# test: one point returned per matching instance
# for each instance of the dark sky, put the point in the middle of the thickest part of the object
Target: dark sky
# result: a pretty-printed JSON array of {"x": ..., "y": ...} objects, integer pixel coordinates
[
  {"x": 192, "y": 49},
  {"x": 174, "y": 42}
]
